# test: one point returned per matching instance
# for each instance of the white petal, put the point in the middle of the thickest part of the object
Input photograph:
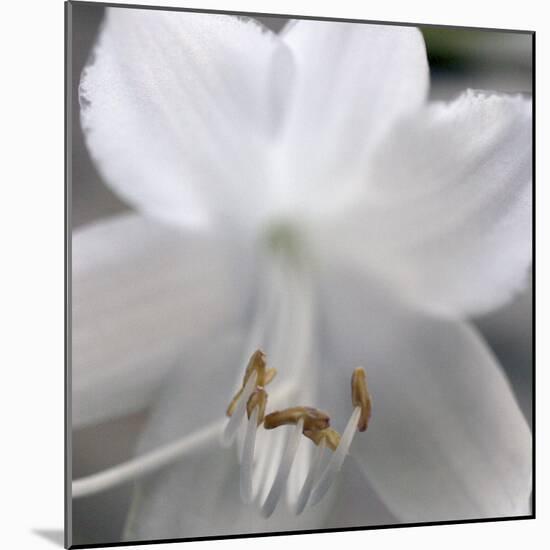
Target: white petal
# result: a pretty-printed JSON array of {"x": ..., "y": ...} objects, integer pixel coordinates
[
  {"x": 199, "y": 496},
  {"x": 447, "y": 216},
  {"x": 352, "y": 81},
  {"x": 142, "y": 293},
  {"x": 358, "y": 504},
  {"x": 177, "y": 109},
  {"x": 446, "y": 440}
]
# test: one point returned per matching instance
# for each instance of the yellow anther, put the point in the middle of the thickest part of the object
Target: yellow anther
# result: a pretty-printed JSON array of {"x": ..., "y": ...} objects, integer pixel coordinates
[
  {"x": 328, "y": 435},
  {"x": 234, "y": 401},
  {"x": 360, "y": 397},
  {"x": 269, "y": 376},
  {"x": 256, "y": 364},
  {"x": 258, "y": 398},
  {"x": 314, "y": 419}
]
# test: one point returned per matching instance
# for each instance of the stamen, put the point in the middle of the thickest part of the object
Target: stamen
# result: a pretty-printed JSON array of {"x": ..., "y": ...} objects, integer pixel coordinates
[
  {"x": 290, "y": 343},
  {"x": 299, "y": 360},
  {"x": 268, "y": 305},
  {"x": 312, "y": 475},
  {"x": 337, "y": 459},
  {"x": 327, "y": 436},
  {"x": 232, "y": 405},
  {"x": 269, "y": 376},
  {"x": 360, "y": 397},
  {"x": 271, "y": 455},
  {"x": 248, "y": 455},
  {"x": 359, "y": 420},
  {"x": 257, "y": 401},
  {"x": 313, "y": 419},
  {"x": 238, "y": 413},
  {"x": 284, "y": 469},
  {"x": 256, "y": 365}
]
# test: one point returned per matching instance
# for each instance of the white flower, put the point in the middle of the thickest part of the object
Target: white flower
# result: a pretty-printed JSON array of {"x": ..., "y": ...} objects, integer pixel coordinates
[{"x": 296, "y": 192}]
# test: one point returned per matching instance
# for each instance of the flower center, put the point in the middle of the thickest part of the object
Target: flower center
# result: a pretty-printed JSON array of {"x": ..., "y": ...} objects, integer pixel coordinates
[
  {"x": 283, "y": 239},
  {"x": 247, "y": 410},
  {"x": 283, "y": 326}
]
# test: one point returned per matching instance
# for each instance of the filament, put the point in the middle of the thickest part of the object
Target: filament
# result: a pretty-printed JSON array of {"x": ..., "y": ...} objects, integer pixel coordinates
[
  {"x": 248, "y": 457},
  {"x": 270, "y": 457},
  {"x": 337, "y": 459},
  {"x": 235, "y": 419},
  {"x": 284, "y": 468},
  {"x": 311, "y": 478}
]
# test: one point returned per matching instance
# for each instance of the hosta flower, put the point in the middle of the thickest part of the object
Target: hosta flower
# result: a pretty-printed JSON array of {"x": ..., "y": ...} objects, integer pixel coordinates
[{"x": 297, "y": 193}]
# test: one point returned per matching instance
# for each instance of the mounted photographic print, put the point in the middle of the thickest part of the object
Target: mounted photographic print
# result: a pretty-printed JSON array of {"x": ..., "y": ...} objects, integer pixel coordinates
[{"x": 299, "y": 261}]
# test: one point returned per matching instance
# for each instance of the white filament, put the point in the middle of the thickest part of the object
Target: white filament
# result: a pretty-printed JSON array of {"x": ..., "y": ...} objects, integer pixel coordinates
[
  {"x": 311, "y": 478},
  {"x": 266, "y": 307},
  {"x": 337, "y": 458},
  {"x": 248, "y": 457},
  {"x": 235, "y": 419},
  {"x": 271, "y": 455},
  {"x": 291, "y": 339},
  {"x": 300, "y": 363},
  {"x": 284, "y": 468}
]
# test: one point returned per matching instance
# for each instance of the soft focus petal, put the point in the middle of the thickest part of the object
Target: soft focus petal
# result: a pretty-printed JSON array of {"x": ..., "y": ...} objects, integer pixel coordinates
[
  {"x": 447, "y": 216},
  {"x": 356, "y": 502},
  {"x": 447, "y": 440},
  {"x": 352, "y": 81},
  {"x": 177, "y": 109},
  {"x": 199, "y": 496},
  {"x": 142, "y": 293}
]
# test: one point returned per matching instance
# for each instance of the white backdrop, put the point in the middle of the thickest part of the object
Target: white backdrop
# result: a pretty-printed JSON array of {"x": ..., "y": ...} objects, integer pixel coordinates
[{"x": 31, "y": 241}]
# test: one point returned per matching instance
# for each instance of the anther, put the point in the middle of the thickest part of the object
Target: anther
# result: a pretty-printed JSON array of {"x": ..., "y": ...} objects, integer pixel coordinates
[
  {"x": 313, "y": 419},
  {"x": 251, "y": 399},
  {"x": 237, "y": 413},
  {"x": 256, "y": 364},
  {"x": 257, "y": 399},
  {"x": 233, "y": 405},
  {"x": 264, "y": 376},
  {"x": 330, "y": 437},
  {"x": 360, "y": 397},
  {"x": 269, "y": 376}
]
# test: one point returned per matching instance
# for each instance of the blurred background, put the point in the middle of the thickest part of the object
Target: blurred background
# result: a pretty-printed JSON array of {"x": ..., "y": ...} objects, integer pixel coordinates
[{"x": 459, "y": 58}]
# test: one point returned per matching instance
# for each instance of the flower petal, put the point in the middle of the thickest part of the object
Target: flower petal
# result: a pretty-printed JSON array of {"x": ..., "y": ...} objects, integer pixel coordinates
[
  {"x": 142, "y": 293},
  {"x": 352, "y": 81},
  {"x": 447, "y": 215},
  {"x": 446, "y": 440},
  {"x": 177, "y": 109}
]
